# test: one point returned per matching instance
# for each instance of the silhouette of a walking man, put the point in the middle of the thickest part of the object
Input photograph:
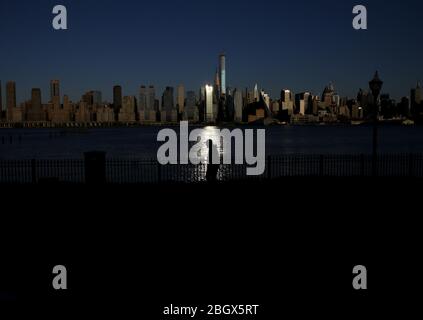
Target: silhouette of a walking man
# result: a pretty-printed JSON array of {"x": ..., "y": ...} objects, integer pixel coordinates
[{"x": 212, "y": 169}]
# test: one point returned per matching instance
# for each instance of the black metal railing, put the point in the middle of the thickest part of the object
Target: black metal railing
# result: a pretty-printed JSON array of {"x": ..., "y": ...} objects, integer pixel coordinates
[
  {"x": 145, "y": 171},
  {"x": 34, "y": 171}
]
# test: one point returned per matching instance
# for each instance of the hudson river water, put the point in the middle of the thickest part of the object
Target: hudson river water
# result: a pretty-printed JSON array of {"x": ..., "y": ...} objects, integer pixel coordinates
[{"x": 141, "y": 142}]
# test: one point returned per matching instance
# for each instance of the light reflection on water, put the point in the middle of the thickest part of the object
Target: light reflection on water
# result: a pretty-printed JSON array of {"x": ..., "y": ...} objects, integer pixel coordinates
[
  {"x": 213, "y": 134},
  {"x": 209, "y": 133}
]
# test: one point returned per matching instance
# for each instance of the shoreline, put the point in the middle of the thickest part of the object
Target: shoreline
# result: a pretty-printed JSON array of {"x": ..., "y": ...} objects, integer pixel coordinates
[{"x": 95, "y": 125}]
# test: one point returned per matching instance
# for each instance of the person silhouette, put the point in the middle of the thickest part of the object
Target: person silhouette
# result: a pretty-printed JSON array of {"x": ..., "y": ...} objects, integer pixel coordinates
[{"x": 212, "y": 169}]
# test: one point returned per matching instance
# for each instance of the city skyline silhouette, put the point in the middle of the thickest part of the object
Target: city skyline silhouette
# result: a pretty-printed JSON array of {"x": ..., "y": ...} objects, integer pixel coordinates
[{"x": 301, "y": 46}]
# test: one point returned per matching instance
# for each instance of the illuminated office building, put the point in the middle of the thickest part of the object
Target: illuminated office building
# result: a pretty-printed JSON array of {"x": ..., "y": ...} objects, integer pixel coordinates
[
  {"x": 287, "y": 98},
  {"x": 210, "y": 114},
  {"x": 222, "y": 74}
]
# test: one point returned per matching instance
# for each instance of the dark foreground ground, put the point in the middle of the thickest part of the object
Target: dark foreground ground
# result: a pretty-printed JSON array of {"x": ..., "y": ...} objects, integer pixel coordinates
[{"x": 289, "y": 245}]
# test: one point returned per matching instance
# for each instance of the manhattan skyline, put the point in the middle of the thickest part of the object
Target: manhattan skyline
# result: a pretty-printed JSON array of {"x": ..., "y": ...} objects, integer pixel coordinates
[{"x": 301, "y": 46}]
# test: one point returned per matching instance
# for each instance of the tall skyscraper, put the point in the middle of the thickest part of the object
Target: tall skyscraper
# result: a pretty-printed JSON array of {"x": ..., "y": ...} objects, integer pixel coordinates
[
  {"x": 222, "y": 73},
  {"x": 180, "y": 98},
  {"x": 147, "y": 98},
  {"x": 256, "y": 93},
  {"x": 210, "y": 116},
  {"x": 127, "y": 112},
  {"x": 191, "y": 110},
  {"x": 217, "y": 86},
  {"x": 229, "y": 106},
  {"x": 1, "y": 103},
  {"x": 167, "y": 99},
  {"x": 287, "y": 98},
  {"x": 146, "y": 105},
  {"x": 191, "y": 99},
  {"x": 416, "y": 94},
  {"x": 238, "y": 105},
  {"x": 117, "y": 97},
  {"x": 10, "y": 99},
  {"x": 303, "y": 103},
  {"x": 286, "y": 95},
  {"x": 35, "y": 112},
  {"x": 416, "y": 99},
  {"x": 54, "y": 90},
  {"x": 419, "y": 95},
  {"x": 169, "y": 112},
  {"x": 202, "y": 93},
  {"x": 266, "y": 99},
  {"x": 327, "y": 96}
]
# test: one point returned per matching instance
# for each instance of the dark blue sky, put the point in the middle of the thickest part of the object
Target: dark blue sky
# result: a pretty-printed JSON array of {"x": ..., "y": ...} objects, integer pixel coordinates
[{"x": 299, "y": 44}]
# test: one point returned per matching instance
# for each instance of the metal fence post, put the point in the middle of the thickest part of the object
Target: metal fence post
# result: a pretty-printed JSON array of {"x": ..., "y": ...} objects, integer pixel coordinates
[
  {"x": 411, "y": 165},
  {"x": 321, "y": 164},
  {"x": 34, "y": 171},
  {"x": 269, "y": 167},
  {"x": 375, "y": 162},
  {"x": 159, "y": 172}
]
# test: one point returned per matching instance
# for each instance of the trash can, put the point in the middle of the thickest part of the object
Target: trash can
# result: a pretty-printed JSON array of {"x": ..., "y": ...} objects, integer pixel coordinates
[{"x": 95, "y": 167}]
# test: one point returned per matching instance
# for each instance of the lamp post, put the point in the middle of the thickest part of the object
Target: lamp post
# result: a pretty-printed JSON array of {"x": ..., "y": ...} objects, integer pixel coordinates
[{"x": 375, "y": 86}]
